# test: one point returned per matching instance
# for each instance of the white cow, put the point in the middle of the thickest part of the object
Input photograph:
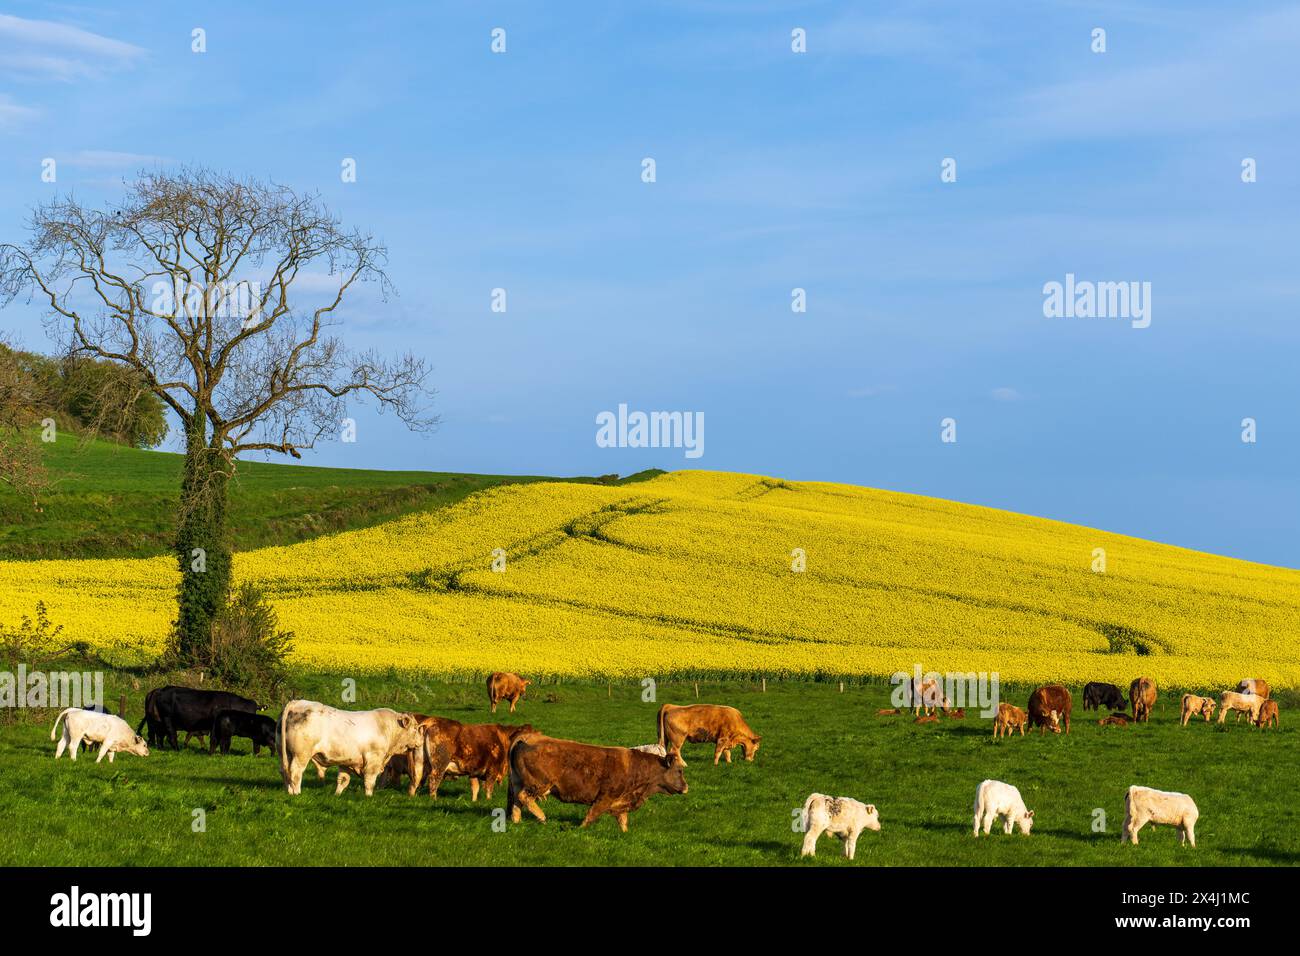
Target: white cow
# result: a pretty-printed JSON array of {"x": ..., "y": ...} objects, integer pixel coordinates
[
  {"x": 113, "y": 734},
  {"x": 994, "y": 799},
  {"x": 1144, "y": 805},
  {"x": 843, "y": 817},
  {"x": 1242, "y": 703},
  {"x": 361, "y": 741}
]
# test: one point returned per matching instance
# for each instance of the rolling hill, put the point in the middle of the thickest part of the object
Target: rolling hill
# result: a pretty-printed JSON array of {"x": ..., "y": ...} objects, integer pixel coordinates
[{"x": 693, "y": 573}]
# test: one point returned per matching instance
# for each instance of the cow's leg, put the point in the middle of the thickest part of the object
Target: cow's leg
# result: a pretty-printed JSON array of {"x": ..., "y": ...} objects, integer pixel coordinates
[
  {"x": 595, "y": 812},
  {"x": 342, "y": 784},
  {"x": 473, "y": 789},
  {"x": 1189, "y": 832},
  {"x": 111, "y": 755},
  {"x": 1007, "y": 824},
  {"x": 532, "y": 806},
  {"x": 851, "y": 844},
  {"x": 74, "y": 747},
  {"x": 494, "y": 705},
  {"x": 622, "y": 821},
  {"x": 810, "y": 840},
  {"x": 63, "y": 744},
  {"x": 512, "y": 704},
  {"x": 103, "y": 749},
  {"x": 488, "y": 783},
  {"x": 369, "y": 779},
  {"x": 293, "y": 774}
]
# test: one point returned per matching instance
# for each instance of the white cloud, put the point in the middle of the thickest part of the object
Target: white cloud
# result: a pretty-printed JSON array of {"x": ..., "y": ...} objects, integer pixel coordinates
[
  {"x": 45, "y": 50},
  {"x": 11, "y": 112},
  {"x": 1005, "y": 394}
]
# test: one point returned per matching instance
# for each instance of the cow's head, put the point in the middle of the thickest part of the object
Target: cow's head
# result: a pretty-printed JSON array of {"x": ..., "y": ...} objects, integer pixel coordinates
[
  {"x": 1055, "y": 720},
  {"x": 138, "y": 746},
  {"x": 410, "y": 733},
  {"x": 1025, "y": 821},
  {"x": 674, "y": 778},
  {"x": 750, "y": 744},
  {"x": 514, "y": 733},
  {"x": 873, "y": 818},
  {"x": 523, "y": 686}
]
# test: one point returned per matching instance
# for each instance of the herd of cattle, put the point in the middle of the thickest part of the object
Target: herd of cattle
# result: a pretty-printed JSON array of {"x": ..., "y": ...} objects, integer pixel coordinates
[{"x": 384, "y": 745}]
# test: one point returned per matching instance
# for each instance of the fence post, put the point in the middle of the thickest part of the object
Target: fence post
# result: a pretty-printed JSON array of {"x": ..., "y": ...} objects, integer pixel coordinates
[
  {"x": 764, "y": 685},
  {"x": 121, "y": 706},
  {"x": 697, "y": 690}
]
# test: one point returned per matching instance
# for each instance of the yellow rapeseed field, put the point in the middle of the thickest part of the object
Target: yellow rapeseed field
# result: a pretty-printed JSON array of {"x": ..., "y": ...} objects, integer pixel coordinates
[{"x": 694, "y": 573}]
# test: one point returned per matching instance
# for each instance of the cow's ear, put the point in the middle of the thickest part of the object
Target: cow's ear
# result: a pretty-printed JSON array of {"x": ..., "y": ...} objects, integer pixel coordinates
[
  {"x": 871, "y": 808},
  {"x": 1029, "y": 813}
]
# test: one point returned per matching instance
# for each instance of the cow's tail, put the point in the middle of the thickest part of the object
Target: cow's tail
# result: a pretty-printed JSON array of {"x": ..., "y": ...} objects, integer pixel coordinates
[
  {"x": 662, "y": 711},
  {"x": 807, "y": 812},
  {"x": 149, "y": 711},
  {"x": 54, "y": 731},
  {"x": 282, "y": 739}
]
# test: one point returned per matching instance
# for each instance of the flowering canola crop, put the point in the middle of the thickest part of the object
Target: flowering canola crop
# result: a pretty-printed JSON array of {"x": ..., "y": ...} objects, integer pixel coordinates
[{"x": 695, "y": 573}]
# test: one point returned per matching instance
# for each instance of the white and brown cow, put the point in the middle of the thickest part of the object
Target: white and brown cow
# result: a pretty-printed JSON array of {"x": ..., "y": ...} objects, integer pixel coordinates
[
  {"x": 843, "y": 817},
  {"x": 1144, "y": 805},
  {"x": 1240, "y": 703},
  {"x": 1194, "y": 706},
  {"x": 113, "y": 734},
  {"x": 1254, "y": 685},
  {"x": 360, "y": 741}
]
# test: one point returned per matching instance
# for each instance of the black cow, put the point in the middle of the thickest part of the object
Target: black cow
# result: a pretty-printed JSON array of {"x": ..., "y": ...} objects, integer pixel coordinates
[
  {"x": 1097, "y": 694},
  {"x": 258, "y": 728},
  {"x": 171, "y": 708}
]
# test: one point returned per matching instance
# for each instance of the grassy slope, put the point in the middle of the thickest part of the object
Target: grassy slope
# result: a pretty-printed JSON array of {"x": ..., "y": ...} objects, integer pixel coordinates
[
  {"x": 111, "y": 501},
  {"x": 922, "y": 778}
]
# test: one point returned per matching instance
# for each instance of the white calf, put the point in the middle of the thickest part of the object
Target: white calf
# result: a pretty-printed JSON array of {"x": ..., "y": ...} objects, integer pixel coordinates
[
  {"x": 995, "y": 799},
  {"x": 843, "y": 817},
  {"x": 1144, "y": 805},
  {"x": 113, "y": 734}
]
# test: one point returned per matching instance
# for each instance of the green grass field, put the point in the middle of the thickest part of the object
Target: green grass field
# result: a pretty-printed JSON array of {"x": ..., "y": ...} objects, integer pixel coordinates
[
  {"x": 109, "y": 501},
  {"x": 921, "y": 777}
]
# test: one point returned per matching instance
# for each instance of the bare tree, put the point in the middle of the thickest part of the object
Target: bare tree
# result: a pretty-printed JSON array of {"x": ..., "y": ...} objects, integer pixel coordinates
[
  {"x": 194, "y": 280},
  {"x": 22, "y": 398}
]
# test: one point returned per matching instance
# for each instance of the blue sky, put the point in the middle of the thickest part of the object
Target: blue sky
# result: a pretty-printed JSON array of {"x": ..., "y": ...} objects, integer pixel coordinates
[{"x": 775, "y": 170}]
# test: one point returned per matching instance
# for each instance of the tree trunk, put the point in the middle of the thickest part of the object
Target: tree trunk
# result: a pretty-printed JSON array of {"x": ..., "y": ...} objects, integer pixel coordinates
[{"x": 202, "y": 544}]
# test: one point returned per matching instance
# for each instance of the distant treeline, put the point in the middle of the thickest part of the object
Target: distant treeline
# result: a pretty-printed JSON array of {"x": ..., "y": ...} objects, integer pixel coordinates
[{"x": 83, "y": 394}]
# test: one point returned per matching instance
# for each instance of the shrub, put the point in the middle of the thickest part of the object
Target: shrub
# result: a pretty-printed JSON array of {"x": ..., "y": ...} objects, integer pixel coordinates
[{"x": 247, "y": 649}]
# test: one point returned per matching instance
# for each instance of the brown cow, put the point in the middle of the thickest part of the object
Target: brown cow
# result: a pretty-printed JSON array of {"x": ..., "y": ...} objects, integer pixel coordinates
[
  {"x": 478, "y": 751},
  {"x": 1253, "y": 685},
  {"x": 718, "y": 724},
  {"x": 887, "y": 711},
  {"x": 1142, "y": 695},
  {"x": 1267, "y": 714},
  {"x": 927, "y": 719},
  {"x": 609, "y": 779},
  {"x": 1009, "y": 718},
  {"x": 1194, "y": 706},
  {"x": 1048, "y": 706},
  {"x": 1114, "y": 720},
  {"x": 924, "y": 695},
  {"x": 502, "y": 685}
]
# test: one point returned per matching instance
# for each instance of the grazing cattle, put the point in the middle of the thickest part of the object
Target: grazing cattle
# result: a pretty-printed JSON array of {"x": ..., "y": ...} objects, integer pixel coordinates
[
  {"x": 1253, "y": 685},
  {"x": 843, "y": 817},
  {"x": 1009, "y": 718},
  {"x": 613, "y": 780},
  {"x": 360, "y": 741},
  {"x": 928, "y": 719},
  {"x": 1097, "y": 695},
  {"x": 478, "y": 751},
  {"x": 1194, "y": 706},
  {"x": 1144, "y": 805},
  {"x": 502, "y": 685},
  {"x": 1048, "y": 707},
  {"x": 657, "y": 749},
  {"x": 1267, "y": 714},
  {"x": 258, "y": 728},
  {"x": 1142, "y": 694},
  {"x": 924, "y": 695},
  {"x": 1114, "y": 720},
  {"x": 1240, "y": 703},
  {"x": 958, "y": 713},
  {"x": 169, "y": 709},
  {"x": 718, "y": 724},
  {"x": 994, "y": 799},
  {"x": 113, "y": 734}
]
